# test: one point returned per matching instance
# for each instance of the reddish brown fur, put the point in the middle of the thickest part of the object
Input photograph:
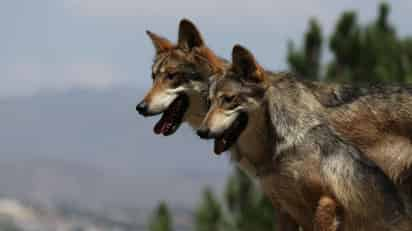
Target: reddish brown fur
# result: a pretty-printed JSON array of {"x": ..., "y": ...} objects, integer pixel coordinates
[
  {"x": 326, "y": 215},
  {"x": 161, "y": 44},
  {"x": 214, "y": 61}
]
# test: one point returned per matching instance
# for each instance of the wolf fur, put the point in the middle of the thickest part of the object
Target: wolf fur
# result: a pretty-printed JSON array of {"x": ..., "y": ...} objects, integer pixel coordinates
[{"x": 288, "y": 128}]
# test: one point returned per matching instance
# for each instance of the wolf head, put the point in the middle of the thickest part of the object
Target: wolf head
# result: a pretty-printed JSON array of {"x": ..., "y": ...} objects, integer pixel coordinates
[
  {"x": 235, "y": 98},
  {"x": 180, "y": 74}
]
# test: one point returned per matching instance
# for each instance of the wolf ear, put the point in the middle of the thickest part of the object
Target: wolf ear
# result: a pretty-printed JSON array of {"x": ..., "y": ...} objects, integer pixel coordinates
[
  {"x": 161, "y": 44},
  {"x": 244, "y": 63},
  {"x": 189, "y": 35}
]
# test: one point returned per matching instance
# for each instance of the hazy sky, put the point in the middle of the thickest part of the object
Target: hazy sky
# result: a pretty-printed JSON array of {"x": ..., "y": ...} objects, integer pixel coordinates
[{"x": 61, "y": 44}]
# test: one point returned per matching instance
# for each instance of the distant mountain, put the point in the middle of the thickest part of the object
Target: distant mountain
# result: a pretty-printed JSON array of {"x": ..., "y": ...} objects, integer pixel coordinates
[
  {"x": 23, "y": 216},
  {"x": 91, "y": 147}
]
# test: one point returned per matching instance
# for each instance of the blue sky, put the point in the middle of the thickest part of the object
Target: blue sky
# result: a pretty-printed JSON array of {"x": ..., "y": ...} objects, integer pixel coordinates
[{"x": 64, "y": 44}]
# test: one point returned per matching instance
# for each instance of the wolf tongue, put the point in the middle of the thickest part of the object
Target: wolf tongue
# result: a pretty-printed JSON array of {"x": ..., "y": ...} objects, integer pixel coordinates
[
  {"x": 172, "y": 117},
  {"x": 159, "y": 126},
  {"x": 166, "y": 127},
  {"x": 219, "y": 146},
  {"x": 163, "y": 123}
]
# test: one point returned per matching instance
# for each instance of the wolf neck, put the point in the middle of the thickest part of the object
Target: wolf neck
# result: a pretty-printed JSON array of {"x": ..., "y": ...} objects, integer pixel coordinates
[
  {"x": 198, "y": 105},
  {"x": 293, "y": 112},
  {"x": 255, "y": 142},
  {"x": 197, "y": 110}
]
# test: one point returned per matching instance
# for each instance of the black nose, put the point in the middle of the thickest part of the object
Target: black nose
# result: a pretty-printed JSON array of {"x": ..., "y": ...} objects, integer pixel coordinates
[
  {"x": 204, "y": 133},
  {"x": 142, "y": 108}
]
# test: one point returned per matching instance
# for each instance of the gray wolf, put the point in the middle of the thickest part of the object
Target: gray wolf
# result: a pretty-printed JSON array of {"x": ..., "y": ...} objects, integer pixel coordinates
[{"x": 319, "y": 179}]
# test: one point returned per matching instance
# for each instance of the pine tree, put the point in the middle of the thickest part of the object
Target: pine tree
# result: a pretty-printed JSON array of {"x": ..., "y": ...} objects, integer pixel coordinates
[
  {"x": 7, "y": 224},
  {"x": 209, "y": 214},
  {"x": 361, "y": 54},
  {"x": 345, "y": 44},
  {"x": 406, "y": 59},
  {"x": 161, "y": 219},
  {"x": 306, "y": 62},
  {"x": 244, "y": 208},
  {"x": 248, "y": 208}
]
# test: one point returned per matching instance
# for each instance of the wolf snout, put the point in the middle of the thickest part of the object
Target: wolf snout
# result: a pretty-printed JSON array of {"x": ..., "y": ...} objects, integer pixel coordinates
[
  {"x": 204, "y": 133},
  {"x": 142, "y": 108}
]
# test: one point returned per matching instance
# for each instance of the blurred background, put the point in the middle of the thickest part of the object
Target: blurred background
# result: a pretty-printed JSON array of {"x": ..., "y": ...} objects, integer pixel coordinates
[{"x": 74, "y": 154}]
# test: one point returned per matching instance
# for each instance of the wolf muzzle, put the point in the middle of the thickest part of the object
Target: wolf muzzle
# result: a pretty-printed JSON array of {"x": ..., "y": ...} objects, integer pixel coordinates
[
  {"x": 142, "y": 108},
  {"x": 204, "y": 133}
]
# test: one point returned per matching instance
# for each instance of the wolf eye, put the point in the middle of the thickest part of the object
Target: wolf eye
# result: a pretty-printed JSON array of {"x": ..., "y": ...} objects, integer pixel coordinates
[
  {"x": 228, "y": 99},
  {"x": 171, "y": 76},
  {"x": 153, "y": 75}
]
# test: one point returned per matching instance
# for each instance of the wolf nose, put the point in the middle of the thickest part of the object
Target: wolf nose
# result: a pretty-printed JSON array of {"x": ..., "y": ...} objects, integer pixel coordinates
[
  {"x": 142, "y": 108},
  {"x": 204, "y": 133}
]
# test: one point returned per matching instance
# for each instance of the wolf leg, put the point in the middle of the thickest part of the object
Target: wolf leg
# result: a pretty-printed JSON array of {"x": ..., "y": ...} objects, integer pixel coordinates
[{"x": 326, "y": 215}]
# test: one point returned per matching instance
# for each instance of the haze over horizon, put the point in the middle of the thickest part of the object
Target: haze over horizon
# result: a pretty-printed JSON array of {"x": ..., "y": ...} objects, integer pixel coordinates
[{"x": 94, "y": 149}]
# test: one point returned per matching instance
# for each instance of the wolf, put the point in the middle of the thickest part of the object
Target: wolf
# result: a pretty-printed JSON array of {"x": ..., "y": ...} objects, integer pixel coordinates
[
  {"x": 181, "y": 75},
  {"x": 319, "y": 179}
]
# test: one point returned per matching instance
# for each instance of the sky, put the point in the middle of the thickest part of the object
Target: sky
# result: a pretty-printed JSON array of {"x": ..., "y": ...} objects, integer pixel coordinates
[
  {"x": 72, "y": 71},
  {"x": 65, "y": 44}
]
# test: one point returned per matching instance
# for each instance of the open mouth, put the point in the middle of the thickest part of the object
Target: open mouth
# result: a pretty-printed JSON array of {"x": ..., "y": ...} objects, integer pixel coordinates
[
  {"x": 173, "y": 116},
  {"x": 230, "y": 136}
]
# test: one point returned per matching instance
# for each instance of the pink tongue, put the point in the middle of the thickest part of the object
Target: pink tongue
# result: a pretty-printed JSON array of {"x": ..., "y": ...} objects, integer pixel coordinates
[
  {"x": 166, "y": 126},
  {"x": 163, "y": 125},
  {"x": 158, "y": 127}
]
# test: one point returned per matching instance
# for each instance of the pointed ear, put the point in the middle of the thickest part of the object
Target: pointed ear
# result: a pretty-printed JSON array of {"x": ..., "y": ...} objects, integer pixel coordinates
[
  {"x": 189, "y": 35},
  {"x": 161, "y": 44},
  {"x": 244, "y": 63}
]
